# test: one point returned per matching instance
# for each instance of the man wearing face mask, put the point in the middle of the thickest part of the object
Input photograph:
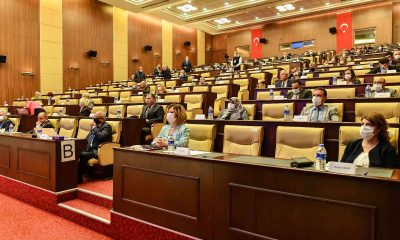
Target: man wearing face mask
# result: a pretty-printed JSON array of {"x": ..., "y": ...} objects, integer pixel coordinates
[
  {"x": 396, "y": 58},
  {"x": 319, "y": 112},
  {"x": 236, "y": 61},
  {"x": 186, "y": 65},
  {"x": 5, "y": 122},
  {"x": 383, "y": 67},
  {"x": 235, "y": 111},
  {"x": 374, "y": 148},
  {"x": 298, "y": 92},
  {"x": 101, "y": 132},
  {"x": 380, "y": 87},
  {"x": 139, "y": 76},
  {"x": 283, "y": 80}
]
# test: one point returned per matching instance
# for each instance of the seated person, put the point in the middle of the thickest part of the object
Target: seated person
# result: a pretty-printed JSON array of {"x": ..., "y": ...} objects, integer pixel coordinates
[
  {"x": 235, "y": 111},
  {"x": 380, "y": 87},
  {"x": 166, "y": 73},
  {"x": 182, "y": 75},
  {"x": 383, "y": 67},
  {"x": 350, "y": 77},
  {"x": 396, "y": 58},
  {"x": 152, "y": 112},
  {"x": 5, "y": 122},
  {"x": 295, "y": 73},
  {"x": 157, "y": 71},
  {"x": 283, "y": 80},
  {"x": 203, "y": 81},
  {"x": 312, "y": 67},
  {"x": 43, "y": 121},
  {"x": 176, "y": 127},
  {"x": 38, "y": 95},
  {"x": 298, "y": 92},
  {"x": 139, "y": 75},
  {"x": 343, "y": 61},
  {"x": 161, "y": 89},
  {"x": 85, "y": 110},
  {"x": 34, "y": 108},
  {"x": 87, "y": 96},
  {"x": 319, "y": 112},
  {"x": 101, "y": 132},
  {"x": 374, "y": 148},
  {"x": 143, "y": 87}
]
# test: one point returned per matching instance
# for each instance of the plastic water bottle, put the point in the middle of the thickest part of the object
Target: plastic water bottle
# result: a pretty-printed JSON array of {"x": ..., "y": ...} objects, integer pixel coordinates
[
  {"x": 286, "y": 113},
  {"x": 210, "y": 113},
  {"x": 171, "y": 143},
  {"x": 73, "y": 93},
  {"x": 118, "y": 113},
  {"x": 271, "y": 94},
  {"x": 334, "y": 80},
  {"x": 115, "y": 99},
  {"x": 383, "y": 70},
  {"x": 68, "y": 101},
  {"x": 368, "y": 91},
  {"x": 49, "y": 101},
  {"x": 11, "y": 128},
  {"x": 39, "y": 131},
  {"x": 321, "y": 158},
  {"x": 60, "y": 112}
]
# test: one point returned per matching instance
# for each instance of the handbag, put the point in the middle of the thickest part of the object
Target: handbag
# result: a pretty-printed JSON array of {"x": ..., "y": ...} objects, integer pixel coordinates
[{"x": 22, "y": 111}]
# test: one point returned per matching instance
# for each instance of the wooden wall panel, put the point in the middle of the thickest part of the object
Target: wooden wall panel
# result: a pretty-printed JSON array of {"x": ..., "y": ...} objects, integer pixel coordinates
[
  {"x": 219, "y": 47},
  {"x": 237, "y": 39},
  {"x": 180, "y": 34},
  {"x": 19, "y": 41},
  {"x": 87, "y": 25},
  {"x": 144, "y": 30},
  {"x": 396, "y": 22},
  {"x": 209, "y": 49}
]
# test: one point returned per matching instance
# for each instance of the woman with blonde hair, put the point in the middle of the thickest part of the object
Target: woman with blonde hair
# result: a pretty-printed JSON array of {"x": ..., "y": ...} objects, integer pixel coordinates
[
  {"x": 85, "y": 110},
  {"x": 374, "y": 148},
  {"x": 176, "y": 118},
  {"x": 87, "y": 96}
]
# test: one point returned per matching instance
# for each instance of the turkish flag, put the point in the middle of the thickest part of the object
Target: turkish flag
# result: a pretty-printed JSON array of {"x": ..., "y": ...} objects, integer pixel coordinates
[
  {"x": 344, "y": 36},
  {"x": 256, "y": 47}
]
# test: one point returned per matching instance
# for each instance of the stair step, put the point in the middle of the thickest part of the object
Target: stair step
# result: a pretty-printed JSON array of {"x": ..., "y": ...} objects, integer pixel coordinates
[
  {"x": 94, "y": 197},
  {"x": 88, "y": 209}
]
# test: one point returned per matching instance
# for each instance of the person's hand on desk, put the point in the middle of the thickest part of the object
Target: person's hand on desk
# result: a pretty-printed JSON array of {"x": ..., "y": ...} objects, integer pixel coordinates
[{"x": 160, "y": 142}]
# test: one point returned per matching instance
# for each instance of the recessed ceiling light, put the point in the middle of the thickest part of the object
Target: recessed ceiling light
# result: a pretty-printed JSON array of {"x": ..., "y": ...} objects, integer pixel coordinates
[
  {"x": 226, "y": 4},
  {"x": 237, "y": 22},
  {"x": 278, "y": 14},
  {"x": 187, "y": 8},
  {"x": 204, "y": 9},
  {"x": 222, "y": 21},
  {"x": 301, "y": 9},
  {"x": 256, "y": 18},
  {"x": 327, "y": 4},
  {"x": 169, "y": 7},
  {"x": 286, "y": 7}
]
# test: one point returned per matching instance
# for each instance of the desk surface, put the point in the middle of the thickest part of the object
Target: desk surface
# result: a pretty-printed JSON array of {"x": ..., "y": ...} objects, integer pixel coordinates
[{"x": 234, "y": 197}]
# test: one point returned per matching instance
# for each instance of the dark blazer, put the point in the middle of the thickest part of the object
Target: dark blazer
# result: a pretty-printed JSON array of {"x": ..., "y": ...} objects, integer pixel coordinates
[
  {"x": 157, "y": 73},
  {"x": 85, "y": 112},
  {"x": 6, "y": 124},
  {"x": 378, "y": 69},
  {"x": 382, "y": 155},
  {"x": 304, "y": 94},
  {"x": 47, "y": 125},
  {"x": 102, "y": 134},
  {"x": 166, "y": 74},
  {"x": 279, "y": 83},
  {"x": 183, "y": 78},
  {"x": 155, "y": 114},
  {"x": 139, "y": 76},
  {"x": 187, "y": 66}
]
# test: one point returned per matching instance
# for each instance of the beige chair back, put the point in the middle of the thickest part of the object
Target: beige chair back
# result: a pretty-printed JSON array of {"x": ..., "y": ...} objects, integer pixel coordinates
[
  {"x": 49, "y": 109},
  {"x": 251, "y": 110},
  {"x": 84, "y": 128},
  {"x": 390, "y": 79},
  {"x": 134, "y": 110},
  {"x": 274, "y": 111},
  {"x": 112, "y": 111},
  {"x": 221, "y": 91},
  {"x": 170, "y": 83},
  {"x": 16, "y": 122},
  {"x": 99, "y": 108},
  {"x": 200, "y": 89},
  {"x": 293, "y": 142},
  {"x": 125, "y": 96},
  {"x": 97, "y": 100},
  {"x": 202, "y": 137},
  {"x": 68, "y": 127},
  {"x": 183, "y": 89},
  {"x": 102, "y": 94},
  {"x": 116, "y": 127},
  {"x": 193, "y": 101},
  {"x": 56, "y": 123},
  {"x": 315, "y": 83},
  {"x": 137, "y": 99},
  {"x": 341, "y": 92},
  {"x": 390, "y": 110},
  {"x": 172, "y": 98},
  {"x": 245, "y": 140},
  {"x": 56, "y": 110},
  {"x": 265, "y": 95},
  {"x": 113, "y": 94}
]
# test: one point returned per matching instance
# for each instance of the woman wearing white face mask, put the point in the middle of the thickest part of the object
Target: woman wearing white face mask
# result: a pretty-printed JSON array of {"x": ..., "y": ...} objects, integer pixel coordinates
[
  {"x": 176, "y": 118},
  {"x": 350, "y": 77},
  {"x": 374, "y": 148},
  {"x": 235, "y": 111}
]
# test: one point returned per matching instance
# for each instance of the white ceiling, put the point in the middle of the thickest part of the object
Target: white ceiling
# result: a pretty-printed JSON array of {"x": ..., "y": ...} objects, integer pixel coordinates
[{"x": 240, "y": 13}]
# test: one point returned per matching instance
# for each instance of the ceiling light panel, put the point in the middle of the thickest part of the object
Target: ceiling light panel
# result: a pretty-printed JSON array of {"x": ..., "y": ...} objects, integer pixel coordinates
[
  {"x": 187, "y": 8},
  {"x": 222, "y": 21}
]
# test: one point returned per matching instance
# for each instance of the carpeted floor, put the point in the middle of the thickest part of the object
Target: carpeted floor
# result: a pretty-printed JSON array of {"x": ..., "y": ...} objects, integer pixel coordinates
[
  {"x": 22, "y": 221},
  {"x": 98, "y": 186}
]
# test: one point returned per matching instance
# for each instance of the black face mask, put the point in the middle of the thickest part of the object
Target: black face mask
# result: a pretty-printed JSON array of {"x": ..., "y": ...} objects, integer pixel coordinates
[{"x": 97, "y": 121}]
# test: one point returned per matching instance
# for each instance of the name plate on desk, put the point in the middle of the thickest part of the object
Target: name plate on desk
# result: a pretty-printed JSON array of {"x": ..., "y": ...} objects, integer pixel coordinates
[
  {"x": 182, "y": 151},
  {"x": 200, "y": 117},
  {"x": 279, "y": 97},
  {"x": 300, "y": 118},
  {"x": 303, "y": 77},
  {"x": 341, "y": 167},
  {"x": 271, "y": 86},
  {"x": 391, "y": 71},
  {"x": 382, "y": 95}
]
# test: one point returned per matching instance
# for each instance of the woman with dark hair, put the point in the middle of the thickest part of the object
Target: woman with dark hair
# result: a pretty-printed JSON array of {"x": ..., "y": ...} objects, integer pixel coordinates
[
  {"x": 374, "y": 148},
  {"x": 235, "y": 111},
  {"x": 350, "y": 77}
]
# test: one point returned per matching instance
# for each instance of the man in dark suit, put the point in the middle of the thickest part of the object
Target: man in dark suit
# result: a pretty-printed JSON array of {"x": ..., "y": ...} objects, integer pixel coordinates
[
  {"x": 283, "y": 80},
  {"x": 101, "y": 132},
  {"x": 187, "y": 65},
  {"x": 298, "y": 92},
  {"x": 166, "y": 73},
  {"x": 139, "y": 75},
  {"x": 236, "y": 61},
  {"x": 383, "y": 67},
  {"x": 43, "y": 121},
  {"x": 183, "y": 76},
  {"x": 152, "y": 112},
  {"x": 5, "y": 122},
  {"x": 157, "y": 71}
]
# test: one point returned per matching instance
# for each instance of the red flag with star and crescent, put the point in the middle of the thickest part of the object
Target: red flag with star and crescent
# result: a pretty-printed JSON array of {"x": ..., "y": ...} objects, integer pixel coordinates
[
  {"x": 256, "y": 46},
  {"x": 344, "y": 36}
]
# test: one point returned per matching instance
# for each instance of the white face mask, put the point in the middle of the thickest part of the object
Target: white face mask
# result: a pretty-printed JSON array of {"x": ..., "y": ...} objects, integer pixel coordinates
[
  {"x": 171, "y": 118},
  {"x": 316, "y": 101},
  {"x": 367, "y": 132},
  {"x": 1, "y": 118},
  {"x": 231, "y": 106},
  {"x": 296, "y": 91},
  {"x": 347, "y": 76},
  {"x": 396, "y": 57},
  {"x": 377, "y": 87}
]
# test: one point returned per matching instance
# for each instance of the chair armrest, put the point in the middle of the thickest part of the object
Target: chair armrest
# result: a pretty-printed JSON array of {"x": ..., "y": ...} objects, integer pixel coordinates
[
  {"x": 106, "y": 153},
  {"x": 194, "y": 112}
]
